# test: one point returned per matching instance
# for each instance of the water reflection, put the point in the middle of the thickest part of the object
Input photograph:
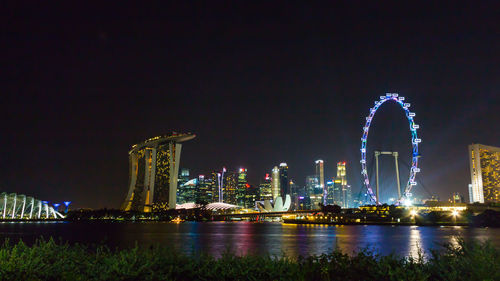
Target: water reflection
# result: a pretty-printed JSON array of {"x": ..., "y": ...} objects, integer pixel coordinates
[
  {"x": 254, "y": 238},
  {"x": 414, "y": 242}
]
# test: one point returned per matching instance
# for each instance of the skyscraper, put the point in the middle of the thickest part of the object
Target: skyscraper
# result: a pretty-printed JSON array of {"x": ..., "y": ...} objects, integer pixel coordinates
[
  {"x": 284, "y": 183},
  {"x": 265, "y": 192},
  {"x": 485, "y": 173},
  {"x": 338, "y": 195},
  {"x": 154, "y": 168},
  {"x": 330, "y": 197},
  {"x": 251, "y": 195},
  {"x": 315, "y": 191},
  {"x": 346, "y": 196},
  {"x": 320, "y": 174},
  {"x": 204, "y": 190},
  {"x": 230, "y": 184},
  {"x": 242, "y": 187},
  {"x": 215, "y": 179},
  {"x": 294, "y": 194},
  {"x": 185, "y": 192},
  {"x": 275, "y": 184},
  {"x": 341, "y": 173}
]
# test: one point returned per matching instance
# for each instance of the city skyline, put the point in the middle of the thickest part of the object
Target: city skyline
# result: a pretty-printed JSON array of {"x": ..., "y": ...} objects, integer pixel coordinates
[{"x": 259, "y": 86}]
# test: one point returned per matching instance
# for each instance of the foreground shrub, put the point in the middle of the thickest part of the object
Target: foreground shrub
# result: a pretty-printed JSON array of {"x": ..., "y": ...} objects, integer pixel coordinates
[{"x": 48, "y": 260}]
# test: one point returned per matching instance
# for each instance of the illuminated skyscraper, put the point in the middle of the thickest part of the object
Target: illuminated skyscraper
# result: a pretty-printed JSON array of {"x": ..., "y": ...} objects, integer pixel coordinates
[
  {"x": 315, "y": 191},
  {"x": 338, "y": 195},
  {"x": 346, "y": 196},
  {"x": 341, "y": 173},
  {"x": 204, "y": 190},
  {"x": 185, "y": 192},
  {"x": 284, "y": 183},
  {"x": 265, "y": 192},
  {"x": 485, "y": 173},
  {"x": 216, "y": 187},
  {"x": 320, "y": 174},
  {"x": 275, "y": 184},
  {"x": 154, "y": 168},
  {"x": 230, "y": 184},
  {"x": 251, "y": 195},
  {"x": 330, "y": 197},
  {"x": 242, "y": 187},
  {"x": 294, "y": 194}
]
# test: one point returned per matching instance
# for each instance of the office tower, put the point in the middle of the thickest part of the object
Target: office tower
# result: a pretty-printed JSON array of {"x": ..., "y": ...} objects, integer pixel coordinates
[
  {"x": 204, "y": 190},
  {"x": 251, "y": 196},
  {"x": 485, "y": 173},
  {"x": 320, "y": 174},
  {"x": 275, "y": 184},
  {"x": 294, "y": 194},
  {"x": 341, "y": 173},
  {"x": 284, "y": 183},
  {"x": 346, "y": 196},
  {"x": 154, "y": 168},
  {"x": 265, "y": 192},
  {"x": 303, "y": 200},
  {"x": 330, "y": 197},
  {"x": 242, "y": 187},
  {"x": 315, "y": 191},
  {"x": 338, "y": 196},
  {"x": 215, "y": 179},
  {"x": 230, "y": 184},
  {"x": 185, "y": 192}
]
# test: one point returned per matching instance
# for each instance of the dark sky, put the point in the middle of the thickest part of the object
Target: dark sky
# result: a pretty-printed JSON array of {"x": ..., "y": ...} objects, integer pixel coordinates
[{"x": 259, "y": 83}]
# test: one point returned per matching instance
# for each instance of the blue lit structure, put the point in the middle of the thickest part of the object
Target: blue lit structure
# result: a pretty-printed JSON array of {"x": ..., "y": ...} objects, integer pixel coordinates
[
  {"x": 414, "y": 141},
  {"x": 66, "y": 203},
  {"x": 56, "y": 206},
  {"x": 19, "y": 206}
]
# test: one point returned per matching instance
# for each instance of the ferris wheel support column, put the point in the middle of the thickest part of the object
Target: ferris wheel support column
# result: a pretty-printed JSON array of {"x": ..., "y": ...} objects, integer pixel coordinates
[
  {"x": 395, "y": 153},
  {"x": 377, "y": 153}
]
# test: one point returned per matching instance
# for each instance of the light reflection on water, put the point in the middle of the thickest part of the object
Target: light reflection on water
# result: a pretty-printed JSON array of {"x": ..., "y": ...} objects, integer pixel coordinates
[{"x": 254, "y": 238}]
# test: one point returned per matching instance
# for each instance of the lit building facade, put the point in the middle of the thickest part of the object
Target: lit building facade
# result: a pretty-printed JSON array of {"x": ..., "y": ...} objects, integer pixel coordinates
[
  {"x": 320, "y": 174},
  {"x": 185, "y": 190},
  {"x": 284, "y": 183},
  {"x": 275, "y": 183},
  {"x": 229, "y": 186},
  {"x": 294, "y": 194},
  {"x": 315, "y": 191},
  {"x": 265, "y": 192},
  {"x": 485, "y": 173},
  {"x": 346, "y": 196},
  {"x": 251, "y": 196},
  {"x": 330, "y": 197},
  {"x": 341, "y": 172},
  {"x": 338, "y": 194},
  {"x": 154, "y": 170},
  {"x": 241, "y": 190},
  {"x": 204, "y": 190}
]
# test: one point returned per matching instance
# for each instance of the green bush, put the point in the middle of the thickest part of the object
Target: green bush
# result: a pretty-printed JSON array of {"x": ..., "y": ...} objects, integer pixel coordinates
[{"x": 48, "y": 260}]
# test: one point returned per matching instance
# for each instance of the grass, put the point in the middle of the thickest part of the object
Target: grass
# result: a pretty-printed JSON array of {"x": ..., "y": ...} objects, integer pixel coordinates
[{"x": 48, "y": 260}]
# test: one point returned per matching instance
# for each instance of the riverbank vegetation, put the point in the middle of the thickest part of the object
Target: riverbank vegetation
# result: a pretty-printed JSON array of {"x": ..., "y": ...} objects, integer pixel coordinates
[{"x": 48, "y": 260}]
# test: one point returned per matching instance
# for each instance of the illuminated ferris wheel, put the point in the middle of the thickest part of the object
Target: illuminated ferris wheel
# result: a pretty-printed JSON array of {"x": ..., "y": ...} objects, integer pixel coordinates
[{"x": 414, "y": 141}]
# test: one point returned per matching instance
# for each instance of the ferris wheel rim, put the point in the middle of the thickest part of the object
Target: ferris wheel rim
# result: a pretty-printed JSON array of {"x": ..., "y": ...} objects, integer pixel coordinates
[{"x": 414, "y": 141}]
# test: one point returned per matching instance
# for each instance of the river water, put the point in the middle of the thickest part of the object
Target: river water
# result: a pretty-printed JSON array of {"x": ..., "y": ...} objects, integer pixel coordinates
[{"x": 251, "y": 238}]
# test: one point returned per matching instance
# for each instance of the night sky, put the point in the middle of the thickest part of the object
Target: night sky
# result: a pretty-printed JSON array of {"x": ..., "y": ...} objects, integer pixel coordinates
[{"x": 259, "y": 83}]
